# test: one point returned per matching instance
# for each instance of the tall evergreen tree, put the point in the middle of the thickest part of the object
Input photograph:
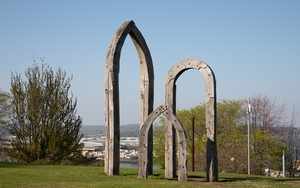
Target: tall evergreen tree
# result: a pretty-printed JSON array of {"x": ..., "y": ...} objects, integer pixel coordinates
[{"x": 44, "y": 124}]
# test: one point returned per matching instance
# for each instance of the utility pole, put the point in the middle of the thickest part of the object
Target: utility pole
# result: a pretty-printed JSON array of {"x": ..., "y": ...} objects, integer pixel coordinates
[
  {"x": 234, "y": 164},
  {"x": 283, "y": 164},
  {"x": 249, "y": 111},
  {"x": 193, "y": 144}
]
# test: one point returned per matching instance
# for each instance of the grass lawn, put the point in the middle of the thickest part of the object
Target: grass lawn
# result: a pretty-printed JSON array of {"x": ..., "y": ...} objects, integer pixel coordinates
[{"x": 36, "y": 175}]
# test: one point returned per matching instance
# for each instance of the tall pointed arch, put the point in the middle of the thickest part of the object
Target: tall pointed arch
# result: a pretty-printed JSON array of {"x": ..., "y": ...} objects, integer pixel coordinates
[
  {"x": 112, "y": 107},
  {"x": 170, "y": 102}
]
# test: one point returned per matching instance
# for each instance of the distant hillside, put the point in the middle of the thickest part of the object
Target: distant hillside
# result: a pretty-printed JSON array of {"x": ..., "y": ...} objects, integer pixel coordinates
[
  {"x": 130, "y": 127},
  {"x": 93, "y": 129},
  {"x": 130, "y": 130}
]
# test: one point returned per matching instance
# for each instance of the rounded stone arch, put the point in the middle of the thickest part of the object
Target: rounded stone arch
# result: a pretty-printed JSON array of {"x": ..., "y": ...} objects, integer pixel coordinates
[
  {"x": 170, "y": 101},
  {"x": 112, "y": 108},
  {"x": 143, "y": 143}
]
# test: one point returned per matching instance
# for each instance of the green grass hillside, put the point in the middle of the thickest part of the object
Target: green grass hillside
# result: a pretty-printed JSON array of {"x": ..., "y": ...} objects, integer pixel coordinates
[{"x": 36, "y": 175}]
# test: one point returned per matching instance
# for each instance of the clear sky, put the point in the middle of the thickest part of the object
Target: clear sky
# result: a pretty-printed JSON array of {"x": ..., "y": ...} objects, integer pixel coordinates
[{"x": 253, "y": 47}]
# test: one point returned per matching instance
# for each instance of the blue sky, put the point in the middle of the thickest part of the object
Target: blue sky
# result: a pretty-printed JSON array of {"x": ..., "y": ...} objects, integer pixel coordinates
[{"x": 253, "y": 47}]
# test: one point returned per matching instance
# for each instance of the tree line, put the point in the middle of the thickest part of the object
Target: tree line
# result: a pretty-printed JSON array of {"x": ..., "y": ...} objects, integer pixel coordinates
[
  {"x": 270, "y": 136},
  {"x": 40, "y": 114}
]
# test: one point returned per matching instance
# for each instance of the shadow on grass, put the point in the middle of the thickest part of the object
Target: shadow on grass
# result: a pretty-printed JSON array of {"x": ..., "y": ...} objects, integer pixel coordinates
[
  {"x": 257, "y": 179},
  {"x": 11, "y": 165}
]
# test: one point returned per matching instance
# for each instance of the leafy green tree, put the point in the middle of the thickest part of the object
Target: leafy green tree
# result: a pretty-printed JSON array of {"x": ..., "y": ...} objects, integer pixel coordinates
[
  {"x": 4, "y": 121},
  {"x": 185, "y": 117},
  {"x": 231, "y": 135},
  {"x": 44, "y": 122},
  {"x": 4, "y": 108},
  {"x": 159, "y": 143},
  {"x": 231, "y": 140},
  {"x": 267, "y": 142},
  {"x": 267, "y": 134},
  {"x": 267, "y": 152}
]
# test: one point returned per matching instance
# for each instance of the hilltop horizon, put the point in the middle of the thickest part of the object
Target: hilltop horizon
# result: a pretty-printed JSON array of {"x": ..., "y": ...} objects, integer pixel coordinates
[{"x": 120, "y": 124}]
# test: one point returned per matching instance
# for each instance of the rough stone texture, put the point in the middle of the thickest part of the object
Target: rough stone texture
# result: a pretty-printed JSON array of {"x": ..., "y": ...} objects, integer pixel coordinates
[{"x": 170, "y": 102}]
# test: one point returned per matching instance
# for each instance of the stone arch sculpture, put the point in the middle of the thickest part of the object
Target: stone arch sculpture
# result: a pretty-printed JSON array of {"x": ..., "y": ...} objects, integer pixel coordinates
[
  {"x": 112, "y": 109},
  {"x": 170, "y": 103},
  {"x": 143, "y": 143}
]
